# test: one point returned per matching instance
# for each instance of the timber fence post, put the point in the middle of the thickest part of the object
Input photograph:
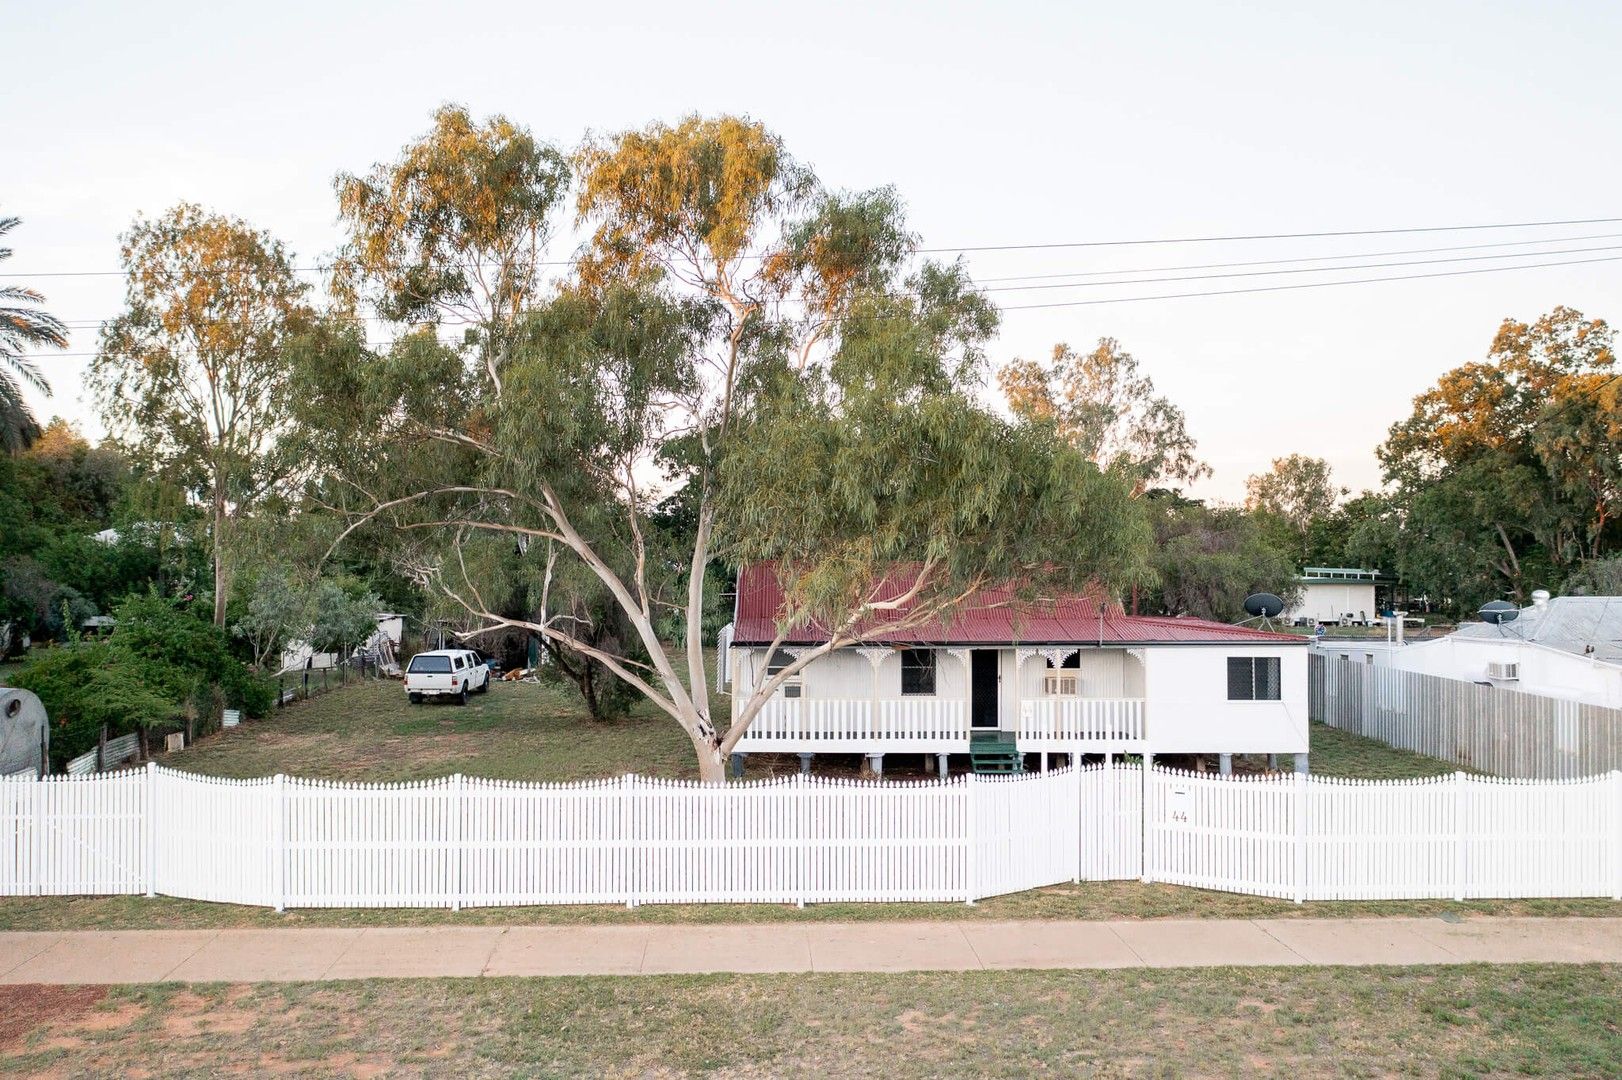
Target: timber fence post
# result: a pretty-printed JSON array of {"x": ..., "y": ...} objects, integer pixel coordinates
[
  {"x": 1075, "y": 767},
  {"x": 1145, "y": 813},
  {"x": 1616, "y": 834},
  {"x": 628, "y": 835},
  {"x": 972, "y": 854},
  {"x": 279, "y": 869},
  {"x": 802, "y": 821},
  {"x": 1459, "y": 867},
  {"x": 37, "y": 828},
  {"x": 1301, "y": 798},
  {"x": 458, "y": 839},
  {"x": 149, "y": 829}
]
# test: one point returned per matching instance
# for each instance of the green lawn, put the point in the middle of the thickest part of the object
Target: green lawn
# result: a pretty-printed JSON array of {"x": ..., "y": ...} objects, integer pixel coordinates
[
  {"x": 1529, "y": 1020},
  {"x": 1088, "y": 900},
  {"x": 518, "y": 731}
]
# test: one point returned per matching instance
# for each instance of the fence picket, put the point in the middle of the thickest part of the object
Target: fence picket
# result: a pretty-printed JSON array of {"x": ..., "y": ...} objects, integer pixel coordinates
[{"x": 457, "y": 842}]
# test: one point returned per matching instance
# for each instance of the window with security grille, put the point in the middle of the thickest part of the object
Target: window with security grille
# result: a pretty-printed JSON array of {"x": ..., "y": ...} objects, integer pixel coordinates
[
  {"x": 781, "y": 659},
  {"x": 918, "y": 671},
  {"x": 1253, "y": 678}
]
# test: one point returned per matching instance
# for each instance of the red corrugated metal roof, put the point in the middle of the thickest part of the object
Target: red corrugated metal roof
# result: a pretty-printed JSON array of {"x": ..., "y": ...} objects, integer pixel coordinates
[{"x": 990, "y": 619}]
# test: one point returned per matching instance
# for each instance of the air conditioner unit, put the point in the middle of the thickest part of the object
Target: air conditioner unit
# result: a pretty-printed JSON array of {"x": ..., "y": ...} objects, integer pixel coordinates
[
  {"x": 1059, "y": 684},
  {"x": 1503, "y": 669}
]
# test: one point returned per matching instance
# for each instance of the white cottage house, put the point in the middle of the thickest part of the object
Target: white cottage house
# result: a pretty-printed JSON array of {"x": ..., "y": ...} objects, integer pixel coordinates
[{"x": 998, "y": 683}]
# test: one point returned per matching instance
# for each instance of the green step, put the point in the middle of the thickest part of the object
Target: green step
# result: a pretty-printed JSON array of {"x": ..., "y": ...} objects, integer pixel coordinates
[{"x": 995, "y": 752}]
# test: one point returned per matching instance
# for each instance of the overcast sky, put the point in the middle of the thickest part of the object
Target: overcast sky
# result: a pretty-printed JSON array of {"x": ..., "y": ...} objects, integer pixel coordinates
[{"x": 1006, "y": 123}]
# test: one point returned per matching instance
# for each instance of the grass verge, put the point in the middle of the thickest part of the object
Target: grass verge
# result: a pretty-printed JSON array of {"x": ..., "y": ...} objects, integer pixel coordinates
[
  {"x": 1423, "y": 1022},
  {"x": 1089, "y": 900}
]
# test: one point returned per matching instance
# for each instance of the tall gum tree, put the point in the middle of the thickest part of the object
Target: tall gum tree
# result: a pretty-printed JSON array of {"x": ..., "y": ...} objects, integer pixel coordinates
[
  {"x": 821, "y": 386},
  {"x": 1109, "y": 409},
  {"x": 193, "y": 375}
]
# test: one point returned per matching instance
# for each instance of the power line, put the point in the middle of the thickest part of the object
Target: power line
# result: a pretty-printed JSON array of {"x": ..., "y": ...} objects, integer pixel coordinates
[
  {"x": 1268, "y": 236},
  {"x": 965, "y": 249},
  {"x": 1299, "y": 270},
  {"x": 1305, "y": 258},
  {"x": 91, "y": 324},
  {"x": 1305, "y": 285}
]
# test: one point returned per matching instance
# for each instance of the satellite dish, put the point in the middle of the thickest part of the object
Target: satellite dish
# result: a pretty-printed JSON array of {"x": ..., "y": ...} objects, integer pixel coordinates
[
  {"x": 1499, "y": 612},
  {"x": 1264, "y": 605}
]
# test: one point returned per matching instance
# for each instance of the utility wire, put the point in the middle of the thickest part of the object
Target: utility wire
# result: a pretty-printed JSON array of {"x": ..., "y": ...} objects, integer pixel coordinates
[
  {"x": 1154, "y": 296},
  {"x": 966, "y": 249},
  {"x": 1305, "y": 285},
  {"x": 91, "y": 324},
  {"x": 1267, "y": 236},
  {"x": 1304, "y": 258}
]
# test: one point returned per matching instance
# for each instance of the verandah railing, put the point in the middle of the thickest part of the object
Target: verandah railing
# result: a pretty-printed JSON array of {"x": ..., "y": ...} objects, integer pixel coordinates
[{"x": 1058, "y": 720}]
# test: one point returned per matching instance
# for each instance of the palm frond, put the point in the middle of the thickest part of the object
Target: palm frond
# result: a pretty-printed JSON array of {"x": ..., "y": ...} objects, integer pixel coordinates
[{"x": 18, "y": 427}]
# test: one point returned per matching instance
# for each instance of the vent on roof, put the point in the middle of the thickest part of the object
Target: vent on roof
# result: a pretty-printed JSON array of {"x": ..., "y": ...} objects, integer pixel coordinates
[{"x": 1503, "y": 669}]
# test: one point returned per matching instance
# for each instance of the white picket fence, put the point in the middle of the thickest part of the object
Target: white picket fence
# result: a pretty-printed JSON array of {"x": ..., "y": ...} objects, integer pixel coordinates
[
  {"x": 1320, "y": 838},
  {"x": 460, "y": 842}
]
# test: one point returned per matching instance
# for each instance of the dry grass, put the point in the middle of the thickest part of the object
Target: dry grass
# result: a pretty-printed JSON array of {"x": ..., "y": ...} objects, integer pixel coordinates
[
  {"x": 1422, "y": 1022},
  {"x": 1088, "y": 900}
]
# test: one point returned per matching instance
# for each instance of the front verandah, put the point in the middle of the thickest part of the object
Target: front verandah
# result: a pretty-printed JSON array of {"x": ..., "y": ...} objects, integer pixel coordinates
[{"x": 997, "y": 707}]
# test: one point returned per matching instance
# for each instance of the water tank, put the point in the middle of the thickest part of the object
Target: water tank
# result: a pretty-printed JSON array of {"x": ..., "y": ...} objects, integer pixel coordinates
[{"x": 25, "y": 732}]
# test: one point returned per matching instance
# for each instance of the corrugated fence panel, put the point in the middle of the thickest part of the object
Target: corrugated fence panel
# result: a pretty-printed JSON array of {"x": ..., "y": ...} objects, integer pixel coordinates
[{"x": 1493, "y": 729}]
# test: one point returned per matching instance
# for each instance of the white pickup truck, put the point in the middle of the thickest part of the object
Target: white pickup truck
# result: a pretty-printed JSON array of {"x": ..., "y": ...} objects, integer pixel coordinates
[{"x": 452, "y": 673}]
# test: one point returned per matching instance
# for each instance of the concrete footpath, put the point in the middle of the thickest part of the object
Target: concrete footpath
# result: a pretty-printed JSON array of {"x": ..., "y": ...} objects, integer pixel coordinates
[{"x": 138, "y": 956}]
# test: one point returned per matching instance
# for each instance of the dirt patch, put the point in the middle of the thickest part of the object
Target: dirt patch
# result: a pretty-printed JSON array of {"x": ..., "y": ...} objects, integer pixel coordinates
[{"x": 28, "y": 1006}]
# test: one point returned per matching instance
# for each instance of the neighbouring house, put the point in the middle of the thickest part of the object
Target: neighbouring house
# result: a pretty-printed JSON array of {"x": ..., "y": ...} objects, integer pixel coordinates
[
  {"x": 298, "y": 655},
  {"x": 1566, "y": 647},
  {"x": 999, "y": 682},
  {"x": 1337, "y": 596}
]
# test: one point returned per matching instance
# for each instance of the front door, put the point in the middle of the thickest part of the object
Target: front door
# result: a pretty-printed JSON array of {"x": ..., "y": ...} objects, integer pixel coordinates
[{"x": 983, "y": 664}]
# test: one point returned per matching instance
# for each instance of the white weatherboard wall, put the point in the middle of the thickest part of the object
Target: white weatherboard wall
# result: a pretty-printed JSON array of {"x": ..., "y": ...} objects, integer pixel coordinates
[
  {"x": 1328, "y": 601},
  {"x": 458, "y": 842},
  {"x": 1188, "y": 711}
]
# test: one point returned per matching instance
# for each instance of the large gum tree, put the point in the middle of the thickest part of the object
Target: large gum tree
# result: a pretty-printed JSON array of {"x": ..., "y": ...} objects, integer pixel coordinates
[{"x": 819, "y": 387}]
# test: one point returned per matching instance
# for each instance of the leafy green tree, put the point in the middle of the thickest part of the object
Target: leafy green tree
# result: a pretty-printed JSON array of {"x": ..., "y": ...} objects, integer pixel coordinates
[
  {"x": 1597, "y": 577},
  {"x": 341, "y": 618},
  {"x": 277, "y": 610},
  {"x": 22, "y": 326},
  {"x": 1296, "y": 493},
  {"x": 847, "y": 446},
  {"x": 455, "y": 231},
  {"x": 194, "y": 373},
  {"x": 1101, "y": 402},
  {"x": 1505, "y": 472},
  {"x": 1208, "y": 559}
]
